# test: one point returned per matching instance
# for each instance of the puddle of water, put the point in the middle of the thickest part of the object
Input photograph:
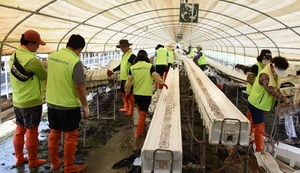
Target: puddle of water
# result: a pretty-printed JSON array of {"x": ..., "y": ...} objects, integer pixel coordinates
[{"x": 7, "y": 157}]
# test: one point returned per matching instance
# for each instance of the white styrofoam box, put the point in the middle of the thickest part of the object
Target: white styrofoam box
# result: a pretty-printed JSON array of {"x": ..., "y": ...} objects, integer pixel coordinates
[
  {"x": 287, "y": 154},
  {"x": 99, "y": 75},
  {"x": 164, "y": 134},
  {"x": 224, "y": 122}
]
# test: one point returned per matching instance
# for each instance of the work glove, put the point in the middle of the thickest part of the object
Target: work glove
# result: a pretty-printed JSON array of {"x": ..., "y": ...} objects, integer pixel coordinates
[
  {"x": 86, "y": 112},
  {"x": 166, "y": 86},
  {"x": 287, "y": 101},
  {"x": 109, "y": 72}
]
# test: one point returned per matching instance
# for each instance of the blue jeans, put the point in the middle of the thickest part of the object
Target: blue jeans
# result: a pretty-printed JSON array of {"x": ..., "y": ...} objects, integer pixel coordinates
[{"x": 257, "y": 114}]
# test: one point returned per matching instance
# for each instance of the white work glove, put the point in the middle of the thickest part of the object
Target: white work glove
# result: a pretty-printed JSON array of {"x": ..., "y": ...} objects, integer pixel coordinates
[
  {"x": 86, "y": 112},
  {"x": 287, "y": 101}
]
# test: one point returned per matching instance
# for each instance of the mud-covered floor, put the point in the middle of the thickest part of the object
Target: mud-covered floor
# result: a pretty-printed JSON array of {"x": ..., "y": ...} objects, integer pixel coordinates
[{"x": 110, "y": 140}]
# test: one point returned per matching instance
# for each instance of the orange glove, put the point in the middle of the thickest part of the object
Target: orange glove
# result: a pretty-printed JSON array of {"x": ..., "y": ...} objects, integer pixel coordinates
[
  {"x": 164, "y": 85},
  {"x": 109, "y": 72}
]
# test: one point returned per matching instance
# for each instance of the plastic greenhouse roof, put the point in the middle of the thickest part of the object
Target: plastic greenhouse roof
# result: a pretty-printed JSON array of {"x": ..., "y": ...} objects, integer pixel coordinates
[{"x": 241, "y": 27}]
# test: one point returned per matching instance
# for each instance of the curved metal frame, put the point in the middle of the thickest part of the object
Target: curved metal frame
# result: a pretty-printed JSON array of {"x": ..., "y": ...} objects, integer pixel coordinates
[{"x": 107, "y": 27}]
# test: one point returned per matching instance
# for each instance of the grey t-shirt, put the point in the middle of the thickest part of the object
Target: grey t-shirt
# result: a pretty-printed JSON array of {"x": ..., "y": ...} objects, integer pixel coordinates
[{"x": 78, "y": 73}]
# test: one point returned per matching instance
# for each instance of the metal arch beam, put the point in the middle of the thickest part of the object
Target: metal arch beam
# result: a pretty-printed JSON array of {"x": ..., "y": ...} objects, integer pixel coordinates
[
  {"x": 114, "y": 24},
  {"x": 222, "y": 37},
  {"x": 113, "y": 36},
  {"x": 143, "y": 20},
  {"x": 134, "y": 23},
  {"x": 258, "y": 31},
  {"x": 244, "y": 6},
  {"x": 199, "y": 17},
  {"x": 205, "y": 18},
  {"x": 210, "y": 37},
  {"x": 80, "y": 23},
  {"x": 214, "y": 32},
  {"x": 156, "y": 31},
  {"x": 207, "y": 35},
  {"x": 227, "y": 39},
  {"x": 143, "y": 38},
  {"x": 93, "y": 17},
  {"x": 21, "y": 21},
  {"x": 205, "y": 11},
  {"x": 60, "y": 18},
  {"x": 12, "y": 29},
  {"x": 235, "y": 30},
  {"x": 220, "y": 40}
]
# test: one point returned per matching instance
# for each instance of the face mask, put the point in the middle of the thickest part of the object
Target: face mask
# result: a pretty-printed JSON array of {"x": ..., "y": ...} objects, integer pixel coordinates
[
  {"x": 265, "y": 61},
  {"x": 280, "y": 73}
]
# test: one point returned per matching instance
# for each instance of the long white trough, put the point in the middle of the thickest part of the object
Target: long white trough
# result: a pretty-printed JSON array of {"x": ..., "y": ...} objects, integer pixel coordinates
[
  {"x": 236, "y": 76},
  {"x": 162, "y": 149},
  {"x": 224, "y": 122}
]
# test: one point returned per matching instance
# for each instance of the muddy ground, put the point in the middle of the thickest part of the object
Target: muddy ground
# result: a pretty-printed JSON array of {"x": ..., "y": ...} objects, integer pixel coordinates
[{"x": 109, "y": 141}]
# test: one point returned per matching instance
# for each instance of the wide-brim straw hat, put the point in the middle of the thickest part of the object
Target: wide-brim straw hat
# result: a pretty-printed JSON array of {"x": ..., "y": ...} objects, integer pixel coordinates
[
  {"x": 123, "y": 43},
  {"x": 170, "y": 46}
]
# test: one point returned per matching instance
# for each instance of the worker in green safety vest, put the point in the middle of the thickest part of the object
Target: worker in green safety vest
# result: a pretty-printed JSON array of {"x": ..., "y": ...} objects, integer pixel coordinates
[
  {"x": 264, "y": 92},
  {"x": 264, "y": 58}
]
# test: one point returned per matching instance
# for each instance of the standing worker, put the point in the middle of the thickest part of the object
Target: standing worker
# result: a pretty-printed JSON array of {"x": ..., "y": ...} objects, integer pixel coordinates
[
  {"x": 141, "y": 77},
  {"x": 128, "y": 59},
  {"x": 170, "y": 49},
  {"x": 200, "y": 58},
  {"x": 65, "y": 92},
  {"x": 161, "y": 62},
  {"x": 27, "y": 98},
  {"x": 264, "y": 58},
  {"x": 191, "y": 52},
  {"x": 263, "y": 94}
]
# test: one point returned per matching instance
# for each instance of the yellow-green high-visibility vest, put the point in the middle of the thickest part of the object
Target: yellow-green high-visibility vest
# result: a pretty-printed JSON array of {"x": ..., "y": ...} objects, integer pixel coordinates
[
  {"x": 202, "y": 59},
  {"x": 259, "y": 96},
  {"x": 161, "y": 56},
  {"x": 60, "y": 73},
  {"x": 143, "y": 80},
  {"x": 28, "y": 93},
  {"x": 249, "y": 86},
  {"x": 171, "y": 56},
  {"x": 125, "y": 65}
]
